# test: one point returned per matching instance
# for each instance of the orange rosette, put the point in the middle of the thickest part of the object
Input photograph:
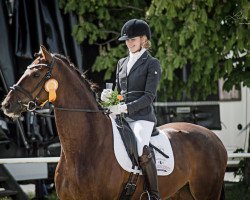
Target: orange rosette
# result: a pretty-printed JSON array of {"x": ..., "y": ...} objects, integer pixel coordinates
[{"x": 51, "y": 86}]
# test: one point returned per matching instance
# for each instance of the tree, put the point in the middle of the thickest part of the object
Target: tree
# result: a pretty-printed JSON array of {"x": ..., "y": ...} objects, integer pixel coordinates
[
  {"x": 100, "y": 22},
  {"x": 209, "y": 38}
]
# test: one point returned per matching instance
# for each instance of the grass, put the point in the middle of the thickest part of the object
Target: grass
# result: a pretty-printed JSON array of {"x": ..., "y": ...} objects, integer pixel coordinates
[
  {"x": 52, "y": 196},
  {"x": 237, "y": 191}
]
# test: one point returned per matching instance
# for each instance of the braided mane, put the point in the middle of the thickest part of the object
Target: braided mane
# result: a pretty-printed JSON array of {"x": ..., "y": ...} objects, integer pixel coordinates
[{"x": 92, "y": 86}]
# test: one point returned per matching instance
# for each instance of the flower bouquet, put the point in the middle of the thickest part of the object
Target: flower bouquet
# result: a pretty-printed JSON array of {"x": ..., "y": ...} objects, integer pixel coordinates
[{"x": 110, "y": 98}]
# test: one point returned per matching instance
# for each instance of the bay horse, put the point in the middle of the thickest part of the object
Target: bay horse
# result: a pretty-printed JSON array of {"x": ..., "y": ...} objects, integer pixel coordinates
[{"x": 87, "y": 169}]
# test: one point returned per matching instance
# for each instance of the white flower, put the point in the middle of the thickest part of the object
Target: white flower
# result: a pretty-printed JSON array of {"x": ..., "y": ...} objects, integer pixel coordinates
[{"x": 106, "y": 94}]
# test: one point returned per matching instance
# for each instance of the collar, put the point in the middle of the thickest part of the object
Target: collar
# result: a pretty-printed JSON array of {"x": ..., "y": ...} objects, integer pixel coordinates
[{"x": 137, "y": 55}]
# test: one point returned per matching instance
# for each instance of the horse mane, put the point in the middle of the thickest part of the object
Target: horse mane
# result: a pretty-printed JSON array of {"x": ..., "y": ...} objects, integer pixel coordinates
[{"x": 91, "y": 85}]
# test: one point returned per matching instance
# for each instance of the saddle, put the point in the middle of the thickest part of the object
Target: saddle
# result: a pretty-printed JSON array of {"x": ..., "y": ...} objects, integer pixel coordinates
[
  {"x": 130, "y": 145},
  {"x": 129, "y": 140}
]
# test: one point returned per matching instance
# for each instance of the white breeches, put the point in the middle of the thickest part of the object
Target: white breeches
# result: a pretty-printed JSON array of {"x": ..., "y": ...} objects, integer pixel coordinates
[{"x": 142, "y": 130}]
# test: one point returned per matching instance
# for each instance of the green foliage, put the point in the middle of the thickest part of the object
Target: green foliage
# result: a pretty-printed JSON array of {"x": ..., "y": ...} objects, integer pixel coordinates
[
  {"x": 5, "y": 198},
  {"x": 186, "y": 33},
  {"x": 237, "y": 190},
  {"x": 203, "y": 35},
  {"x": 100, "y": 22},
  {"x": 241, "y": 166},
  {"x": 107, "y": 60}
]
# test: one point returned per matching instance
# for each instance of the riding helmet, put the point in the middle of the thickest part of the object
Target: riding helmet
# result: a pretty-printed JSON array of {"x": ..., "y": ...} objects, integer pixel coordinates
[{"x": 134, "y": 28}]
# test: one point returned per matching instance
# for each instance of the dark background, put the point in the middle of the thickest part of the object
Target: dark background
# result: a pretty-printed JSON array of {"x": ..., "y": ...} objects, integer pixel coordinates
[
  {"x": 24, "y": 26},
  {"x": 30, "y": 23}
]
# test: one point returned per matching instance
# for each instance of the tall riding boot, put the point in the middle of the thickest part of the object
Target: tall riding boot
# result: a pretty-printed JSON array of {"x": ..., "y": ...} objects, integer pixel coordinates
[{"x": 147, "y": 163}]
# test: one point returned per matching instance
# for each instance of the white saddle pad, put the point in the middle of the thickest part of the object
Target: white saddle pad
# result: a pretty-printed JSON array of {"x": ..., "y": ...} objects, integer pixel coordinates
[{"x": 164, "y": 165}]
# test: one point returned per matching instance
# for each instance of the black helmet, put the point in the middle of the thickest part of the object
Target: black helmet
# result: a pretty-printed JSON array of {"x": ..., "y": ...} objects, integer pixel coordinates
[{"x": 134, "y": 28}]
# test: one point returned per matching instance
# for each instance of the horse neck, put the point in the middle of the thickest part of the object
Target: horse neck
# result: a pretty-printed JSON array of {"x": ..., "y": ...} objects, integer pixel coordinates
[
  {"x": 73, "y": 91},
  {"x": 78, "y": 131}
]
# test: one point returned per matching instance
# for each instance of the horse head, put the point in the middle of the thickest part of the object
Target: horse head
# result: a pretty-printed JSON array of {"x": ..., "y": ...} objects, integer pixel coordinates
[{"x": 29, "y": 92}]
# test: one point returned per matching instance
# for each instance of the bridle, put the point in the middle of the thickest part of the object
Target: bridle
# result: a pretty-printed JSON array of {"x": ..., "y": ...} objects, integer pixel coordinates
[{"x": 32, "y": 105}]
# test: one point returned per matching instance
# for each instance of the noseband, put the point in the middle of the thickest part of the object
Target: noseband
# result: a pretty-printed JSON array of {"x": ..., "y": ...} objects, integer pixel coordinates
[{"x": 32, "y": 104}]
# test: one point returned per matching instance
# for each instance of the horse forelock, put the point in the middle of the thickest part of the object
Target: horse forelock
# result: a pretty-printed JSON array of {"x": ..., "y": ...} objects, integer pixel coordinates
[{"x": 90, "y": 85}]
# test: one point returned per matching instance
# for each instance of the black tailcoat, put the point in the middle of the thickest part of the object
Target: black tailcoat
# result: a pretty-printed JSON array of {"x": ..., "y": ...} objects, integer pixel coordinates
[{"x": 139, "y": 86}]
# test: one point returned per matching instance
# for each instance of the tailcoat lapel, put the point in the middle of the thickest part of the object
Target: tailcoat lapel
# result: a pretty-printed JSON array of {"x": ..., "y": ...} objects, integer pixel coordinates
[
  {"x": 122, "y": 75},
  {"x": 123, "y": 69}
]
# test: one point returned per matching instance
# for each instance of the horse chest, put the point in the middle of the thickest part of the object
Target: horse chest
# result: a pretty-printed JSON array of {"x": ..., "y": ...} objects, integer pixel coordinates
[{"x": 77, "y": 182}]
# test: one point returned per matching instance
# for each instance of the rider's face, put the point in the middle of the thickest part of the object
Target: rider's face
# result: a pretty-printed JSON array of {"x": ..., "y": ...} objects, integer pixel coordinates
[{"x": 134, "y": 44}]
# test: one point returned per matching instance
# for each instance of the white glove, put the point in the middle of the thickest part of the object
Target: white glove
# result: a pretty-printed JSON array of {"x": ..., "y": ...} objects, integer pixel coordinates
[
  {"x": 118, "y": 109},
  {"x": 106, "y": 94},
  {"x": 123, "y": 108}
]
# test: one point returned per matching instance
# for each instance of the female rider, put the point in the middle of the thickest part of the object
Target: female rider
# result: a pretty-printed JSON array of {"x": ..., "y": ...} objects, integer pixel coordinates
[{"x": 137, "y": 78}]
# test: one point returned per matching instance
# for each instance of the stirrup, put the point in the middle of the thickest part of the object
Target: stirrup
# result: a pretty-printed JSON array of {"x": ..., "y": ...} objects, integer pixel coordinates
[
  {"x": 148, "y": 196},
  {"x": 145, "y": 192}
]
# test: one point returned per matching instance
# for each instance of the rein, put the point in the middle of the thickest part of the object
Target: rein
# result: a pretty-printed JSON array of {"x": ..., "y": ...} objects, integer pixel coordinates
[
  {"x": 37, "y": 112},
  {"x": 78, "y": 110},
  {"x": 85, "y": 110}
]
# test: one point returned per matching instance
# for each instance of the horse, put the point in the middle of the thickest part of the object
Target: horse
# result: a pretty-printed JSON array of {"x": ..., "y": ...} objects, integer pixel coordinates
[{"x": 88, "y": 169}]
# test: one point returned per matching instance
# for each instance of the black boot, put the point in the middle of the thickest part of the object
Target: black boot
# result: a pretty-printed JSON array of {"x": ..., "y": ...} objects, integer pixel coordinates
[{"x": 147, "y": 163}]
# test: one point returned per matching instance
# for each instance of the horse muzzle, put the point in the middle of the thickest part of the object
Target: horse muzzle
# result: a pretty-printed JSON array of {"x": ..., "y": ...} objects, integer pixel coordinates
[{"x": 12, "y": 109}]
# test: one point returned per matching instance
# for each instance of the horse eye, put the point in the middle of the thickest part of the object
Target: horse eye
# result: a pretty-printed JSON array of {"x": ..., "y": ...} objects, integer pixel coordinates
[{"x": 36, "y": 75}]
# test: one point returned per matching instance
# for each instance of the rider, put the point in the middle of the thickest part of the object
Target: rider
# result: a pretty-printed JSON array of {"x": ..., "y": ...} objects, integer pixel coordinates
[{"x": 137, "y": 78}]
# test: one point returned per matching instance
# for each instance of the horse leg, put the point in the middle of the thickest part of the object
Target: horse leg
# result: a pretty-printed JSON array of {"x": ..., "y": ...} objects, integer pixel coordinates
[
  {"x": 211, "y": 190},
  {"x": 61, "y": 184},
  {"x": 183, "y": 194}
]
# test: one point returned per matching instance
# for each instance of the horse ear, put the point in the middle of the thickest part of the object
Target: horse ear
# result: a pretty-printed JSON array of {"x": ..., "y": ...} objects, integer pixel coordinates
[{"x": 47, "y": 56}]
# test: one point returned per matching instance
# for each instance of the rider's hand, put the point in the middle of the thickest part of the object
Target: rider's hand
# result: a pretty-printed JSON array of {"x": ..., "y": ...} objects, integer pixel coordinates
[
  {"x": 106, "y": 94},
  {"x": 118, "y": 109},
  {"x": 123, "y": 108}
]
